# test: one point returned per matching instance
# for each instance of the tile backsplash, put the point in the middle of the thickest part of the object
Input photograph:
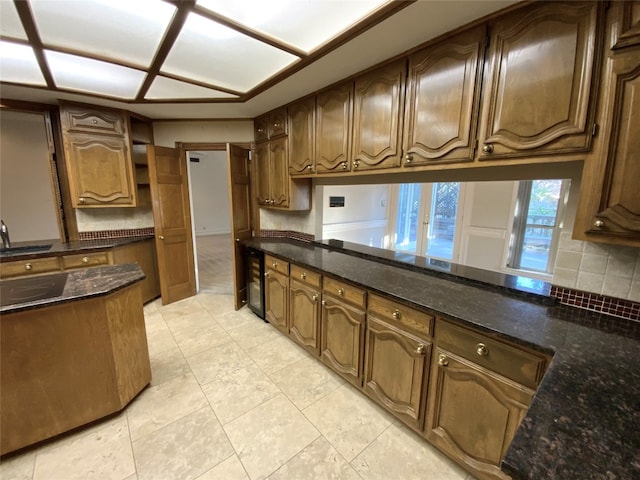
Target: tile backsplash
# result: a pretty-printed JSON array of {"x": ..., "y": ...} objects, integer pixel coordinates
[{"x": 597, "y": 268}]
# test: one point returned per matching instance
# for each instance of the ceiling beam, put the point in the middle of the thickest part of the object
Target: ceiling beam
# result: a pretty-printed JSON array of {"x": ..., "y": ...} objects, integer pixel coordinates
[{"x": 29, "y": 25}]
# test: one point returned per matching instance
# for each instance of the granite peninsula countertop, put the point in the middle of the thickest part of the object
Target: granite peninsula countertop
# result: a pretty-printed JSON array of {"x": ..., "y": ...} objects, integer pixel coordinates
[
  {"x": 68, "y": 248},
  {"x": 75, "y": 285},
  {"x": 584, "y": 421}
]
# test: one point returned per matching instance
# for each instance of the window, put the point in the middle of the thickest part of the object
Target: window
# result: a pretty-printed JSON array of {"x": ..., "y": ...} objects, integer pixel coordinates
[{"x": 536, "y": 226}]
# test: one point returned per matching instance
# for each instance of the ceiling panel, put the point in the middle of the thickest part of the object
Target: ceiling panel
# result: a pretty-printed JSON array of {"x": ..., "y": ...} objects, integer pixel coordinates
[
  {"x": 305, "y": 25},
  {"x": 18, "y": 64},
  {"x": 214, "y": 54},
  {"x": 168, "y": 88},
  {"x": 125, "y": 30},
  {"x": 84, "y": 74},
  {"x": 10, "y": 25}
]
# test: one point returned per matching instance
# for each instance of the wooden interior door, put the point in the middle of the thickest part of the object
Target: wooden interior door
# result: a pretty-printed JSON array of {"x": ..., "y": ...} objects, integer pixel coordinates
[
  {"x": 172, "y": 220},
  {"x": 240, "y": 203}
]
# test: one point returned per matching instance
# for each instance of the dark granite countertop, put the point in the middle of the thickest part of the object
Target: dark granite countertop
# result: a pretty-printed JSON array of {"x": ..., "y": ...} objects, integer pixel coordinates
[
  {"x": 584, "y": 422},
  {"x": 58, "y": 248},
  {"x": 76, "y": 285}
]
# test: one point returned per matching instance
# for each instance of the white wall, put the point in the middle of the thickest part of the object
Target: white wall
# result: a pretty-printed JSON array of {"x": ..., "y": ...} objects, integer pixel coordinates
[
  {"x": 210, "y": 192},
  {"x": 27, "y": 199}
]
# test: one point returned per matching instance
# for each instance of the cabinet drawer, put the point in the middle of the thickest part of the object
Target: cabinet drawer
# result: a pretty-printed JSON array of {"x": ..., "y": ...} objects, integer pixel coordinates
[
  {"x": 29, "y": 267},
  {"x": 276, "y": 264},
  {"x": 306, "y": 276},
  {"x": 82, "y": 260},
  {"x": 94, "y": 121},
  {"x": 401, "y": 315},
  {"x": 507, "y": 360},
  {"x": 348, "y": 293}
]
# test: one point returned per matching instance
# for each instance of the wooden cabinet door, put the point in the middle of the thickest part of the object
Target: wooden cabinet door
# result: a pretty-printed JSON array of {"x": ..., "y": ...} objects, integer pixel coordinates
[
  {"x": 262, "y": 174},
  {"x": 333, "y": 129},
  {"x": 610, "y": 203},
  {"x": 278, "y": 123},
  {"x": 537, "y": 97},
  {"x": 304, "y": 315},
  {"x": 626, "y": 26},
  {"x": 301, "y": 137},
  {"x": 396, "y": 370},
  {"x": 342, "y": 339},
  {"x": 261, "y": 128},
  {"x": 442, "y": 100},
  {"x": 101, "y": 173},
  {"x": 276, "y": 299},
  {"x": 473, "y": 413},
  {"x": 278, "y": 173},
  {"x": 378, "y": 103}
]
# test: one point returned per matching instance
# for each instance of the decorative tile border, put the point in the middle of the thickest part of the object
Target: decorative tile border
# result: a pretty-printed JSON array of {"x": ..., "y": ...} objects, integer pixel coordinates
[
  {"x": 597, "y": 303},
  {"x": 131, "y": 232},
  {"x": 290, "y": 234}
]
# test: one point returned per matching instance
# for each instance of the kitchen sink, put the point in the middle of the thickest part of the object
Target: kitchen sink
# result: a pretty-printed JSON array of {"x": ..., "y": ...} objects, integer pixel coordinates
[{"x": 25, "y": 249}]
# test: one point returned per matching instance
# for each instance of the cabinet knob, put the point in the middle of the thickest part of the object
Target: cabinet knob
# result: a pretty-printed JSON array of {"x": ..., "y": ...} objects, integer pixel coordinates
[
  {"x": 487, "y": 148},
  {"x": 274, "y": 264},
  {"x": 266, "y": 274},
  {"x": 261, "y": 130},
  {"x": 94, "y": 121},
  {"x": 598, "y": 223},
  {"x": 314, "y": 297},
  {"x": 85, "y": 259},
  {"x": 443, "y": 360},
  {"x": 310, "y": 168},
  {"x": 396, "y": 314},
  {"x": 277, "y": 125},
  {"x": 237, "y": 240},
  {"x": 356, "y": 164},
  {"x": 272, "y": 201},
  {"x": 82, "y": 200},
  {"x": 422, "y": 349},
  {"x": 303, "y": 275},
  {"x": 408, "y": 158},
  {"x": 341, "y": 292},
  {"x": 161, "y": 237},
  {"x": 482, "y": 350},
  {"x": 344, "y": 165},
  {"x": 323, "y": 302},
  {"x": 28, "y": 266}
]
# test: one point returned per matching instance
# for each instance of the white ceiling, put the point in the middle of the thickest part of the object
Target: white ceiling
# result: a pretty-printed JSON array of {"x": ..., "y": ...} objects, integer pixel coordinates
[{"x": 411, "y": 26}]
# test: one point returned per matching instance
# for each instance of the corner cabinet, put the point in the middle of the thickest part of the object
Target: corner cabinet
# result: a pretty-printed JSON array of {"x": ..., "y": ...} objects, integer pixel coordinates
[
  {"x": 540, "y": 74},
  {"x": 609, "y": 206},
  {"x": 442, "y": 100},
  {"x": 334, "y": 118},
  {"x": 98, "y": 157},
  {"x": 378, "y": 102}
]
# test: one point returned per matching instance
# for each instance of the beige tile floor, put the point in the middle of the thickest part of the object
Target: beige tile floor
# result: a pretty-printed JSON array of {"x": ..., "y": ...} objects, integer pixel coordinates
[{"x": 232, "y": 398}]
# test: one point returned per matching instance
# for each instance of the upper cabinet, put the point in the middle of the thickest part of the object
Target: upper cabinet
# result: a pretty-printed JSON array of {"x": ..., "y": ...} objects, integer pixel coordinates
[
  {"x": 609, "y": 206},
  {"x": 442, "y": 100},
  {"x": 98, "y": 157},
  {"x": 538, "y": 80},
  {"x": 378, "y": 103},
  {"x": 301, "y": 137},
  {"x": 333, "y": 129},
  {"x": 272, "y": 125},
  {"x": 626, "y": 24}
]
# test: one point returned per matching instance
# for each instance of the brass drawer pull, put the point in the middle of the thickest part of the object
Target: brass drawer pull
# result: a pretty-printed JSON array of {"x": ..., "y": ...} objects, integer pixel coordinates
[
  {"x": 314, "y": 297},
  {"x": 487, "y": 148},
  {"x": 482, "y": 350},
  {"x": 341, "y": 292},
  {"x": 396, "y": 314},
  {"x": 443, "y": 361},
  {"x": 303, "y": 275},
  {"x": 421, "y": 350},
  {"x": 274, "y": 264},
  {"x": 28, "y": 266},
  {"x": 85, "y": 259}
]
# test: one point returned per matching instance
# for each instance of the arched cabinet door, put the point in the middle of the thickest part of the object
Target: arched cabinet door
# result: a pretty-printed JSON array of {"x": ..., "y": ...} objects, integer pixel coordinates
[
  {"x": 333, "y": 129},
  {"x": 537, "y": 98}
]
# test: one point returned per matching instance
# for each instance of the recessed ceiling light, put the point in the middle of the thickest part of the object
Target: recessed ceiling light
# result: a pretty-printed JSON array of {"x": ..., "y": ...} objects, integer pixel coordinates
[
  {"x": 10, "y": 24},
  {"x": 168, "y": 88},
  {"x": 18, "y": 64}
]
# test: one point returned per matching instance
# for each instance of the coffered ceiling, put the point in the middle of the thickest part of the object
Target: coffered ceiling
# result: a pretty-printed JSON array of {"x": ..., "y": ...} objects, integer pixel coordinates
[{"x": 207, "y": 58}]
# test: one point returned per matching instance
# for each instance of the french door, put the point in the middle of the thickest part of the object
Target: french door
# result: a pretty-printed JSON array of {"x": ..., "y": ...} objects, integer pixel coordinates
[{"x": 426, "y": 219}]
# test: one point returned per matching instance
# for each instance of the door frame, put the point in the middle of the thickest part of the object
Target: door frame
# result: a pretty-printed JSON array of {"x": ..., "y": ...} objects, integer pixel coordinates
[{"x": 185, "y": 147}]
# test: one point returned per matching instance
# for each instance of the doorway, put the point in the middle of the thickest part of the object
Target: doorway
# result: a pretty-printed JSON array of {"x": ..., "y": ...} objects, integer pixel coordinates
[{"x": 211, "y": 220}]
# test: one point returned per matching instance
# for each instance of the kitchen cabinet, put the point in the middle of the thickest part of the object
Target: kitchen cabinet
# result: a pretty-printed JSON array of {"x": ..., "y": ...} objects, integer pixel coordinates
[
  {"x": 539, "y": 81},
  {"x": 19, "y": 268},
  {"x": 144, "y": 254},
  {"x": 342, "y": 328},
  {"x": 397, "y": 358},
  {"x": 480, "y": 391},
  {"x": 301, "y": 120},
  {"x": 272, "y": 125},
  {"x": 443, "y": 96},
  {"x": 609, "y": 205},
  {"x": 98, "y": 158},
  {"x": 141, "y": 131},
  {"x": 625, "y": 30},
  {"x": 276, "y": 293},
  {"x": 378, "y": 102},
  {"x": 334, "y": 118},
  {"x": 304, "y": 307}
]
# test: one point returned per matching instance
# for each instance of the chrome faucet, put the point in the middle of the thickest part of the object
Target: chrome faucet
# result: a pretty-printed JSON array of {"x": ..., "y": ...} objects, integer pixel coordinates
[{"x": 4, "y": 233}]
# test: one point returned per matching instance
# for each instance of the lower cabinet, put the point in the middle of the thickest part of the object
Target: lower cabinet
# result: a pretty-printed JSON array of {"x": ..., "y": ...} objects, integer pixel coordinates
[
  {"x": 342, "y": 329},
  {"x": 474, "y": 408},
  {"x": 276, "y": 293},
  {"x": 304, "y": 308}
]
